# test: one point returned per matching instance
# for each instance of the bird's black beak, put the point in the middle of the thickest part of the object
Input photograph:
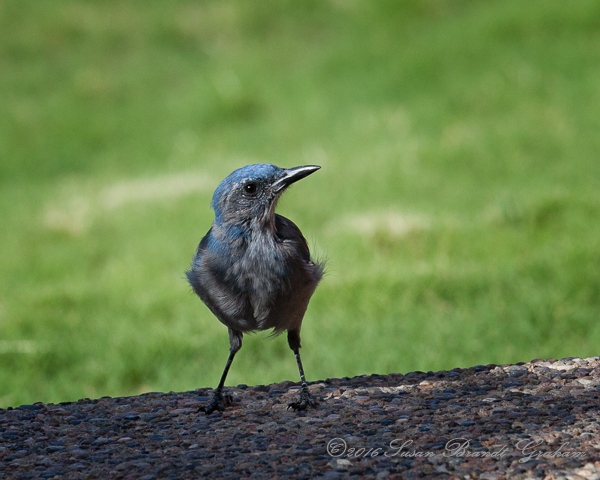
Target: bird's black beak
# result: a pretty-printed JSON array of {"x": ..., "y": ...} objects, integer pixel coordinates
[{"x": 291, "y": 175}]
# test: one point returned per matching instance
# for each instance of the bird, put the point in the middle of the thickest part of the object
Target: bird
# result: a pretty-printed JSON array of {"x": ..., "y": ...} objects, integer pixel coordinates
[{"x": 253, "y": 269}]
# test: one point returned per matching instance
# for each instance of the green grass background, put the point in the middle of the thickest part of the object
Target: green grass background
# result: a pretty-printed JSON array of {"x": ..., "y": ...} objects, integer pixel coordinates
[{"x": 458, "y": 204}]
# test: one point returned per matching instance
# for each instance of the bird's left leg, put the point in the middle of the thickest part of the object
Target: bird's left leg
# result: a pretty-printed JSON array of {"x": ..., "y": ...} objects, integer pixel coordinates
[
  {"x": 306, "y": 400},
  {"x": 219, "y": 401}
]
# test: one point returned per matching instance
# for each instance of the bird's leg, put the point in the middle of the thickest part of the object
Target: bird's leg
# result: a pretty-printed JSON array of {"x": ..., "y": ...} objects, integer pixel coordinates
[
  {"x": 306, "y": 400},
  {"x": 218, "y": 401}
]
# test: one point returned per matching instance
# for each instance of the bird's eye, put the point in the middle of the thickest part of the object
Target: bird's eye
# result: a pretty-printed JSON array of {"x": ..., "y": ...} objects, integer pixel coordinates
[{"x": 250, "y": 188}]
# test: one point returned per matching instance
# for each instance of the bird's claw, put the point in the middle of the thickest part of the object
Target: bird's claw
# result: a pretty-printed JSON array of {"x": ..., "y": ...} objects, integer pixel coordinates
[
  {"x": 218, "y": 402},
  {"x": 306, "y": 400}
]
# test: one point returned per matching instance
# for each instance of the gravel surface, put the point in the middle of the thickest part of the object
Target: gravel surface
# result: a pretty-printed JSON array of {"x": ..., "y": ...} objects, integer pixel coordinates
[{"x": 532, "y": 420}]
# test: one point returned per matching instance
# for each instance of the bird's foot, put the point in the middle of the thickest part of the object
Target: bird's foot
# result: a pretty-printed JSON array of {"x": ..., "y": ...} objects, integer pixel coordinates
[
  {"x": 306, "y": 400},
  {"x": 218, "y": 402}
]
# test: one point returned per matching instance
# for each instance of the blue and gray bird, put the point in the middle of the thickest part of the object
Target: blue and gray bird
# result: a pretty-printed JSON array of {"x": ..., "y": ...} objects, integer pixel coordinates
[{"x": 253, "y": 268}]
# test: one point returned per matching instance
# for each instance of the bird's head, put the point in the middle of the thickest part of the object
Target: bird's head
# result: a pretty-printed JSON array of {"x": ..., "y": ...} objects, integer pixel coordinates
[{"x": 250, "y": 193}]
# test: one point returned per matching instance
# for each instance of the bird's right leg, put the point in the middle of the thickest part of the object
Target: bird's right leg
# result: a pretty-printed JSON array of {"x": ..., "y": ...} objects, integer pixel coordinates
[
  {"x": 218, "y": 401},
  {"x": 306, "y": 399}
]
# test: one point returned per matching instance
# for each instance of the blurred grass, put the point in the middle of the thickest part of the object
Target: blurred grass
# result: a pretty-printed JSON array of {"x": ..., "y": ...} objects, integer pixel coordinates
[{"x": 458, "y": 204}]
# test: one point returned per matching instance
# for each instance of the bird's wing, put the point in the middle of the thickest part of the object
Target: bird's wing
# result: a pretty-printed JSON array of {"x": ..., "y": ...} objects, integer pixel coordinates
[
  {"x": 301, "y": 279},
  {"x": 193, "y": 274},
  {"x": 287, "y": 231},
  {"x": 290, "y": 234}
]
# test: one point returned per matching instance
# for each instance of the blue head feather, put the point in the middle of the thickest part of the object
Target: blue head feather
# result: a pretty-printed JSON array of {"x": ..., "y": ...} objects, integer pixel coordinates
[{"x": 260, "y": 172}]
